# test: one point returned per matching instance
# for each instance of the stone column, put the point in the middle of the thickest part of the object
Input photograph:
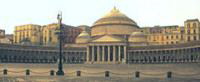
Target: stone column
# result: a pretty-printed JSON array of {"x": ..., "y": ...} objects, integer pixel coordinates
[
  {"x": 125, "y": 54},
  {"x": 92, "y": 54},
  {"x": 103, "y": 54},
  {"x": 88, "y": 54},
  {"x": 119, "y": 54},
  {"x": 108, "y": 54},
  {"x": 98, "y": 54},
  {"x": 114, "y": 54}
]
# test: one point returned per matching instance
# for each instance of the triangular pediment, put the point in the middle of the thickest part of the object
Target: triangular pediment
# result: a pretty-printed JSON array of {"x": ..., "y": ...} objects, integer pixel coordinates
[{"x": 108, "y": 38}]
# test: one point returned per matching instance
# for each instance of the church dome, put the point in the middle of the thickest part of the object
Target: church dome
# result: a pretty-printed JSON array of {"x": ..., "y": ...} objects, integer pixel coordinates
[
  {"x": 115, "y": 17},
  {"x": 115, "y": 23},
  {"x": 83, "y": 37},
  {"x": 138, "y": 37}
]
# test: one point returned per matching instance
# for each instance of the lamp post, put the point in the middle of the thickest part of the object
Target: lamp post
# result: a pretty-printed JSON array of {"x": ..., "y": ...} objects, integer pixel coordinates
[{"x": 60, "y": 71}]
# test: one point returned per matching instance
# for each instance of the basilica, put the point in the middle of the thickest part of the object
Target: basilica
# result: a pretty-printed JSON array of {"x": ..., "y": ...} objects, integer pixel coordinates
[{"x": 113, "y": 39}]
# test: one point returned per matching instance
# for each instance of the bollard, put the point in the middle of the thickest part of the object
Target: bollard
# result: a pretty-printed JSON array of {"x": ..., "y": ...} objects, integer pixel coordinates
[
  {"x": 52, "y": 73},
  {"x": 78, "y": 73},
  {"x": 169, "y": 74},
  {"x": 137, "y": 74},
  {"x": 5, "y": 72},
  {"x": 107, "y": 74},
  {"x": 27, "y": 72}
]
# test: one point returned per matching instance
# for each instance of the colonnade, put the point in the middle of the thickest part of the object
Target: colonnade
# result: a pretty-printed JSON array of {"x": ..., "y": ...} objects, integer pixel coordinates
[
  {"x": 40, "y": 56},
  {"x": 106, "y": 54},
  {"x": 164, "y": 55}
]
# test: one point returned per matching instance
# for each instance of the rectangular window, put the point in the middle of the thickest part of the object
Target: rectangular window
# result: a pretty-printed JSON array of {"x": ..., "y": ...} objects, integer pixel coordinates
[
  {"x": 181, "y": 37},
  {"x": 195, "y": 38},
  {"x": 188, "y": 38},
  {"x": 194, "y": 25},
  {"x": 188, "y": 32},
  {"x": 194, "y": 31},
  {"x": 176, "y": 36},
  {"x": 50, "y": 39},
  {"x": 188, "y": 25}
]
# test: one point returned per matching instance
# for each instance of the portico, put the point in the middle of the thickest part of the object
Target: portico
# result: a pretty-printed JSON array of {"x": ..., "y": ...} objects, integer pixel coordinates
[
  {"x": 106, "y": 54},
  {"x": 106, "y": 50}
]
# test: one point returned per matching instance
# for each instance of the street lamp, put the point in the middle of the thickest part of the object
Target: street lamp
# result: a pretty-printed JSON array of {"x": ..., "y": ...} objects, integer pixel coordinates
[{"x": 60, "y": 71}]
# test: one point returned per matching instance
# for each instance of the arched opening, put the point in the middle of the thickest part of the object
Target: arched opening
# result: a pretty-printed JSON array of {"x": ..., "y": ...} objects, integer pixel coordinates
[
  {"x": 163, "y": 59},
  {"x": 149, "y": 59},
  {"x": 73, "y": 60},
  {"x": 154, "y": 59},
  {"x": 145, "y": 59},
  {"x": 192, "y": 58}
]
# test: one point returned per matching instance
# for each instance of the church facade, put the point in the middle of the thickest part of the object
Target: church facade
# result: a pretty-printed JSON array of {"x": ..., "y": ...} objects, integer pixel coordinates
[{"x": 113, "y": 39}]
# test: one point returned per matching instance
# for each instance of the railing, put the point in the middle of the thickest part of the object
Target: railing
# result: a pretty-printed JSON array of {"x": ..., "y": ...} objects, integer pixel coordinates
[{"x": 79, "y": 73}]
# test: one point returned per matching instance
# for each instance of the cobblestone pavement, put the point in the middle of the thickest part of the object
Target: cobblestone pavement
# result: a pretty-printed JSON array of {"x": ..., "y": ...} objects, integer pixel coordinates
[{"x": 96, "y": 79}]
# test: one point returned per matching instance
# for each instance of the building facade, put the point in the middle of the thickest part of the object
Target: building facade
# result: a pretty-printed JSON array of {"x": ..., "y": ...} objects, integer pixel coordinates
[
  {"x": 30, "y": 32},
  {"x": 44, "y": 35},
  {"x": 163, "y": 35}
]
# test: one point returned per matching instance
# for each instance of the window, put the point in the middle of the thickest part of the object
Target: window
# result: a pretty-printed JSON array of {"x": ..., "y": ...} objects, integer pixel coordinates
[
  {"x": 45, "y": 39},
  {"x": 49, "y": 33},
  {"x": 194, "y": 25},
  {"x": 188, "y": 32},
  {"x": 167, "y": 37},
  {"x": 50, "y": 39},
  {"x": 172, "y": 37},
  {"x": 181, "y": 37},
  {"x": 176, "y": 36},
  {"x": 188, "y": 25},
  {"x": 195, "y": 38},
  {"x": 194, "y": 31},
  {"x": 188, "y": 38}
]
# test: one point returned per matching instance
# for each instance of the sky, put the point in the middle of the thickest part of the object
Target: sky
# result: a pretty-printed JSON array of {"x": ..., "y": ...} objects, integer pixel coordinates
[{"x": 86, "y": 12}]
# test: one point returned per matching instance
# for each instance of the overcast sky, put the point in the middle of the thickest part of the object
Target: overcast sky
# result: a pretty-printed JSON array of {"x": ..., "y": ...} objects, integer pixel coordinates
[{"x": 86, "y": 12}]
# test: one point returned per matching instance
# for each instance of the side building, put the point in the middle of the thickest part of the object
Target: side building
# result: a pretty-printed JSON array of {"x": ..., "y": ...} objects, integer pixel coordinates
[
  {"x": 32, "y": 34},
  {"x": 5, "y": 38},
  {"x": 164, "y": 35},
  {"x": 50, "y": 38},
  {"x": 2, "y": 33},
  {"x": 192, "y": 30},
  {"x": 174, "y": 34}
]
